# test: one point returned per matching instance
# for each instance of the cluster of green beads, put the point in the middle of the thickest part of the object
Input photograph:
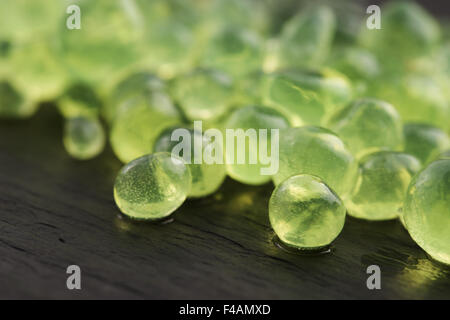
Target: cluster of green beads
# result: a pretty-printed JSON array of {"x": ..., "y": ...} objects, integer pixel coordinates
[{"x": 356, "y": 121}]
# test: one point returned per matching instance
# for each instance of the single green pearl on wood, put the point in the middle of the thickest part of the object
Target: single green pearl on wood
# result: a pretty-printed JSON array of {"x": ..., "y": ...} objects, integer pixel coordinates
[
  {"x": 152, "y": 187},
  {"x": 84, "y": 138},
  {"x": 427, "y": 210},
  {"x": 203, "y": 94},
  {"x": 425, "y": 141},
  {"x": 133, "y": 134},
  {"x": 306, "y": 97},
  {"x": 381, "y": 187},
  {"x": 368, "y": 125},
  {"x": 206, "y": 177},
  {"x": 253, "y": 120},
  {"x": 317, "y": 151},
  {"x": 305, "y": 213}
]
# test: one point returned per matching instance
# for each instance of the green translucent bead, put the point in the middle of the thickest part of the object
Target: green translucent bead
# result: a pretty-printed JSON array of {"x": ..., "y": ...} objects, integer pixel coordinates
[
  {"x": 317, "y": 151},
  {"x": 249, "y": 89},
  {"x": 367, "y": 125},
  {"x": 206, "y": 178},
  {"x": 203, "y": 94},
  {"x": 305, "y": 213},
  {"x": 406, "y": 31},
  {"x": 133, "y": 86},
  {"x": 427, "y": 214},
  {"x": 12, "y": 104},
  {"x": 424, "y": 141},
  {"x": 110, "y": 39},
  {"x": 253, "y": 118},
  {"x": 152, "y": 187},
  {"x": 381, "y": 186},
  {"x": 306, "y": 97},
  {"x": 79, "y": 100},
  {"x": 306, "y": 38},
  {"x": 84, "y": 138},
  {"x": 235, "y": 51},
  {"x": 133, "y": 134},
  {"x": 444, "y": 155}
]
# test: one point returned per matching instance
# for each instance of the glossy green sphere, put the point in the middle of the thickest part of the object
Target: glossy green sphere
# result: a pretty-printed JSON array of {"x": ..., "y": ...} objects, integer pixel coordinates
[
  {"x": 84, "y": 138},
  {"x": 424, "y": 141},
  {"x": 367, "y": 125},
  {"x": 134, "y": 133},
  {"x": 79, "y": 100},
  {"x": 381, "y": 186},
  {"x": 206, "y": 177},
  {"x": 427, "y": 213},
  {"x": 306, "y": 97},
  {"x": 320, "y": 152},
  {"x": 203, "y": 94},
  {"x": 305, "y": 213},
  {"x": 152, "y": 187},
  {"x": 256, "y": 123}
]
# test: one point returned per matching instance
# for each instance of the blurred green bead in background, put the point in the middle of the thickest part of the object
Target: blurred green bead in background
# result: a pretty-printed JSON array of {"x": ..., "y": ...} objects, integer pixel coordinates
[
  {"x": 253, "y": 120},
  {"x": 203, "y": 94},
  {"x": 306, "y": 97},
  {"x": 79, "y": 100},
  {"x": 134, "y": 133},
  {"x": 444, "y": 155},
  {"x": 425, "y": 141},
  {"x": 320, "y": 152},
  {"x": 152, "y": 187},
  {"x": 133, "y": 86},
  {"x": 84, "y": 138},
  {"x": 305, "y": 213},
  {"x": 381, "y": 186},
  {"x": 306, "y": 38},
  {"x": 12, "y": 103},
  {"x": 367, "y": 125},
  {"x": 206, "y": 177},
  {"x": 427, "y": 214}
]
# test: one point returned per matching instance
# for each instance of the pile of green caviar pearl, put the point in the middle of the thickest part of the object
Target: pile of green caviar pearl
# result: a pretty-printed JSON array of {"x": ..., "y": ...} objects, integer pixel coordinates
[{"x": 333, "y": 116}]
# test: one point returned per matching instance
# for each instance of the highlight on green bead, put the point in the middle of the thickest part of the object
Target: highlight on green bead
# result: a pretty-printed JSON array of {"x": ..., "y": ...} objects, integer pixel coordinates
[
  {"x": 84, "y": 138},
  {"x": 152, "y": 186},
  {"x": 134, "y": 133},
  {"x": 305, "y": 213},
  {"x": 79, "y": 100},
  {"x": 206, "y": 177},
  {"x": 306, "y": 97},
  {"x": 367, "y": 125},
  {"x": 320, "y": 152},
  {"x": 203, "y": 94},
  {"x": 256, "y": 124},
  {"x": 381, "y": 186},
  {"x": 426, "y": 213},
  {"x": 424, "y": 141}
]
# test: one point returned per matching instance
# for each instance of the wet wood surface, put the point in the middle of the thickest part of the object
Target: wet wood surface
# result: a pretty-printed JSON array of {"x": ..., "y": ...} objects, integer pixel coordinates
[{"x": 56, "y": 212}]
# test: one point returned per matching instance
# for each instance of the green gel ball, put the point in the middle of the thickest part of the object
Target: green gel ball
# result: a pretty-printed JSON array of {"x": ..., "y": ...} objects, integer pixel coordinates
[
  {"x": 252, "y": 120},
  {"x": 306, "y": 38},
  {"x": 206, "y": 177},
  {"x": 135, "y": 85},
  {"x": 381, "y": 186},
  {"x": 133, "y": 134},
  {"x": 367, "y": 125},
  {"x": 427, "y": 213},
  {"x": 152, "y": 187},
  {"x": 203, "y": 94},
  {"x": 235, "y": 51},
  {"x": 305, "y": 213},
  {"x": 425, "y": 141},
  {"x": 79, "y": 100},
  {"x": 110, "y": 39},
  {"x": 12, "y": 104},
  {"x": 306, "y": 97},
  {"x": 84, "y": 138},
  {"x": 317, "y": 151}
]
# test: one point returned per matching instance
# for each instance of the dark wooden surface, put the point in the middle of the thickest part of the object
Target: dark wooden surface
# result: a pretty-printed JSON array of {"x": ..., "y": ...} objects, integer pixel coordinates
[{"x": 55, "y": 211}]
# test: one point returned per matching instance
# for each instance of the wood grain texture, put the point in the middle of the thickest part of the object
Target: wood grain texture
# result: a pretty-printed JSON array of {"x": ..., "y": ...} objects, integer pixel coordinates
[{"x": 56, "y": 211}]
